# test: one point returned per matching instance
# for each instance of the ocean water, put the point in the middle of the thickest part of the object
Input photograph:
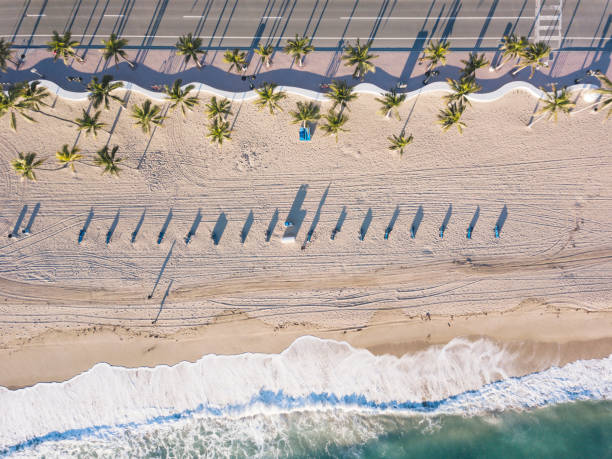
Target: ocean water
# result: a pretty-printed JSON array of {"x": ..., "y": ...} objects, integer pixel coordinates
[{"x": 319, "y": 398}]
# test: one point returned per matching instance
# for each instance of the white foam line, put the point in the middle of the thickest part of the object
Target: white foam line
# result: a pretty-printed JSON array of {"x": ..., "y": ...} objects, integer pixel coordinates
[
  {"x": 422, "y": 18},
  {"x": 362, "y": 88}
]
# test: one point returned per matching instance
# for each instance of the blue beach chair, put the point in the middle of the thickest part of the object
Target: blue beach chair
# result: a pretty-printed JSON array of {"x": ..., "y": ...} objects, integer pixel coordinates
[{"x": 304, "y": 134}]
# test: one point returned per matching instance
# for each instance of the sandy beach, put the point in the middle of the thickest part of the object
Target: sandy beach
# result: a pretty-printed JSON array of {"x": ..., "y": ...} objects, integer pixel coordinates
[{"x": 545, "y": 282}]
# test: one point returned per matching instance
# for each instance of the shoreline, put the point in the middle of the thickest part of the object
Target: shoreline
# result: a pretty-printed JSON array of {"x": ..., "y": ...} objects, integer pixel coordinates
[{"x": 543, "y": 336}]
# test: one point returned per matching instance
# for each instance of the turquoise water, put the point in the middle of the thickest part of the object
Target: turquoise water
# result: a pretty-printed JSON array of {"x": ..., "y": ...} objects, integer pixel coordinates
[{"x": 320, "y": 398}]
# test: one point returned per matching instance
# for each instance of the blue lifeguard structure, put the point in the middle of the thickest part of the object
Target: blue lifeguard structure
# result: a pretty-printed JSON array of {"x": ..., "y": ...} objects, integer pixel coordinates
[
  {"x": 387, "y": 232},
  {"x": 469, "y": 232},
  {"x": 160, "y": 238},
  {"x": 412, "y": 233},
  {"x": 442, "y": 232},
  {"x": 304, "y": 134},
  {"x": 81, "y": 235},
  {"x": 496, "y": 229}
]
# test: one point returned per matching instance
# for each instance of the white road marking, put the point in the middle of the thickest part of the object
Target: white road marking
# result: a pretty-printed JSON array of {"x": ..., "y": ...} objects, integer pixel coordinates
[
  {"x": 113, "y": 15},
  {"x": 35, "y": 15},
  {"x": 271, "y": 17},
  {"x": 422, "y": 18}
]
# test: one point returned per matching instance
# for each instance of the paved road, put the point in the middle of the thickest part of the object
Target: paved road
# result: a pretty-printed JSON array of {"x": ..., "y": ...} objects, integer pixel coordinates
[{"x": 223, "y": 23}]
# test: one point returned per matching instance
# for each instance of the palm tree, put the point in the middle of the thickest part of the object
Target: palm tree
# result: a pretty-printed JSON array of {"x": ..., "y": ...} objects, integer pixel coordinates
[
  {"x": 235, "y": 58},
  {"x": 25, "y": 164},
  {"x": 100, "y": 91},
  {"x": 269, "y": 98},
  {"x": 473, "y": 63},
  {"x": 390, "y": 101},
  {"x": 108, "y": 161},
  {"x": 605, "y": 100},
  {"x": 341, "y": 93},
  {"x": 554, "y": 101},
  {"x": 399, "y": 142},
  {"x": 67, "y": 157},
  {"x": 32, "y": 95},
  {"x": 218, "y": 109},
  {"x": 218, "y": 131},
  {"x": 146, "y": 115},
  {"x": 298, "y": 48},
  {"x": 305, "y": 113},
  {"x": 180, "y": 97},
  {"x": 11, "y": 103},
  {"x": 190, "y": 47},
  {"x": 451, "y": 116},
  {"x": 90, "y": 124},
  {"x": 435, "y": 54},
  {"x": 334, "y": 124},
  {"x": 63, "y": 47},
  {"x": 512, "y": 47},
  {"x": 265, "y": 52},
  {"x": 461, "y": 89},
  {"x": 113, "y": 48},
  {"x": 359, "y": 56},
  {"x": 533, "y": 56},
  {"x": 5, "y": 54}
]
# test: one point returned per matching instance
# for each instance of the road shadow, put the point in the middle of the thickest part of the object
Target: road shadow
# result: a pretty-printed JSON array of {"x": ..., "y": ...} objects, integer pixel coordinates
[
  {"x": 416, "y": 222},
  {"x": 219, "y": 228},
  {"x": 502, "y": 218},
  {"x": 272, "y": 225},
  {"x": 365, "y": 225},
  {"x": 112, "y": 228},
  {"x": 33, "y": 215},
  {"x": 296, "y": 214},
  {"x": 247, "y": 227},
  {"x": 194, "y": 227},
  {"x": 162, "y": 233},
  {"x": 19, "y": 221},
  {"x": 138, "y": 225}
]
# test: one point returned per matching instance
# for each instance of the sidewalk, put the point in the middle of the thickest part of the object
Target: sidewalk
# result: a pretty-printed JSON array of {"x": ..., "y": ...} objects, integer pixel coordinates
[{"x": 158, "y": 67}]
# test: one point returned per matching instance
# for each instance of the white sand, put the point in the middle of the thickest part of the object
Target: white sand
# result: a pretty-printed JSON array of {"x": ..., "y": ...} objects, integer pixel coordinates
[{"x": 555, "y": 249}]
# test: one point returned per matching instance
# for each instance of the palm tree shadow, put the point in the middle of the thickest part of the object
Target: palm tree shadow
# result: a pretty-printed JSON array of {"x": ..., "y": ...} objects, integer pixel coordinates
[{"x": 121, "y": 107}]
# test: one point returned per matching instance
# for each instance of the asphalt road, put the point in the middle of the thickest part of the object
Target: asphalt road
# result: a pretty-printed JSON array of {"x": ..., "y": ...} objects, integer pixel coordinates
[{"x": 395, "y": 24}]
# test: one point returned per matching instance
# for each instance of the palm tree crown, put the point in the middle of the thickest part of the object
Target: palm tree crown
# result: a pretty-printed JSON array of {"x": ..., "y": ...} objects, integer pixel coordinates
[
  {"x": 451, "y": 116},
  {"x": 25, "y": 164},
  {"x": 461, "y": 89},
  {"x": 12, "y": 103},
  {"x": 5, "y": 53},
  {"x": 512, "y": 47},
  {"x": 606, "y": 90},
  {"x": 305, "y": 113},
  {"x": 63, "y": 47},
  {"x": 435, "y": 53},
  {"x": 90, "y": 124},
  {"x": 298, "y": 48},
  {"x": 341, "y": 93},
  {"x": 218, "y": 109},
  {"x": 554, "y": 102},
  {"x": 180, "y": 97},
  {"x": 399, "y": 142},
  {"x": 146, "y": 115},
  {"x": 269, "y": 97},
  {"x": 236, "y": 59},
  {"x": 218, "y": 131},
  {"x": 265, "y": 52},
  {"x": 190, "y": 48},
  {"x": 473, "y": 63},
  {"x": 33, "y": 95},
  {"x": 108, "y": 161},
  {"x": 100, "y": 91},
  {"x": 67, "y": 156},
  {"x": 335, "y": 123},
  {"x": 390, "y": 102},
  {"x": 359, "y": 56},
  {"x": 533, "y": 56},
  {"x": 113, "y": 48}
]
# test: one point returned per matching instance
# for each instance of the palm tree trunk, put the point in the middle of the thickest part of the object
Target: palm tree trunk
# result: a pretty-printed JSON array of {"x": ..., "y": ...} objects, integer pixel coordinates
[
  {"x": 197, "y": 63},
  {"x": 573, "y": 112},
  {"x": 268, "y": 63},
  {"x": 388, "y": 114},
  {"x": 130, "y": 63},
  {"x": 535, "y": 120},
  {"x": 301, "y": 61}
]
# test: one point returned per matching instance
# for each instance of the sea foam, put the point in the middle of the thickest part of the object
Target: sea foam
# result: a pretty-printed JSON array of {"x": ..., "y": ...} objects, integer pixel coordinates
[{"x": 462, "y": 377}]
